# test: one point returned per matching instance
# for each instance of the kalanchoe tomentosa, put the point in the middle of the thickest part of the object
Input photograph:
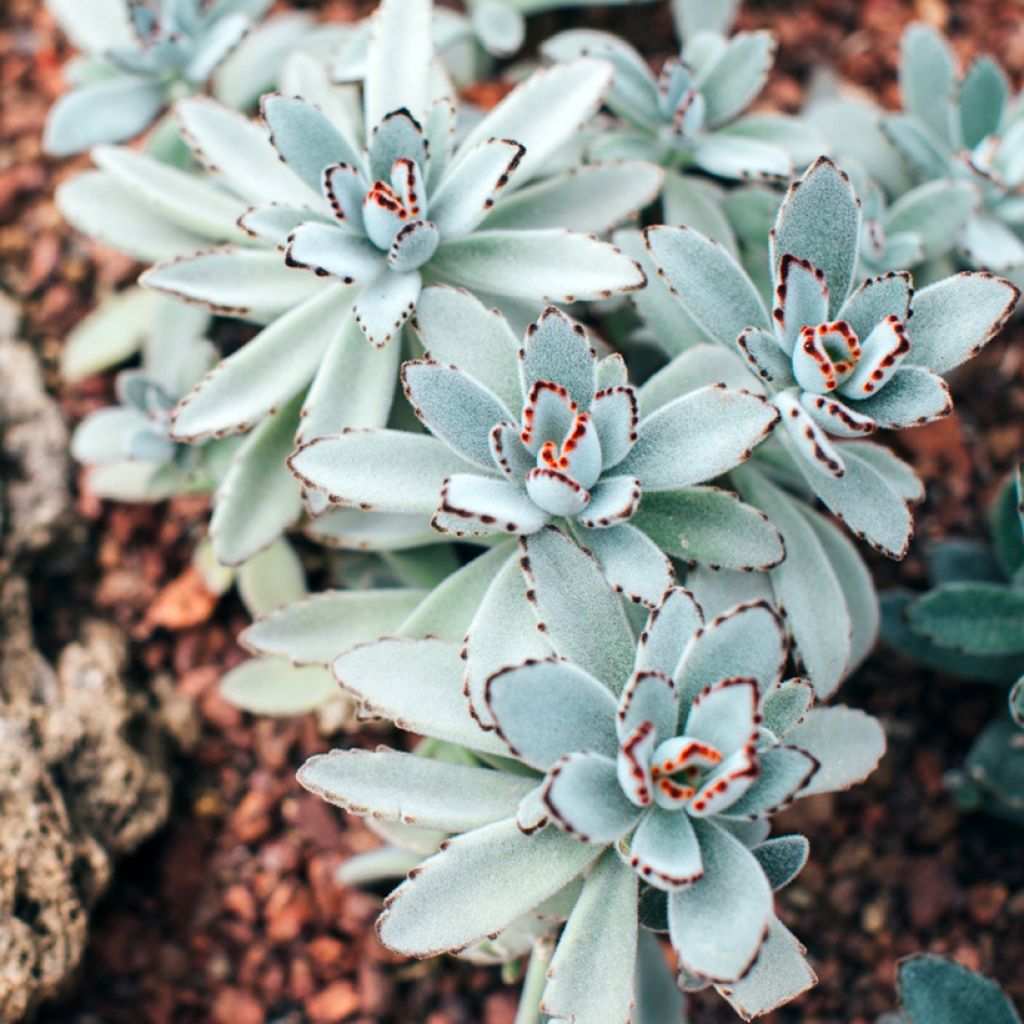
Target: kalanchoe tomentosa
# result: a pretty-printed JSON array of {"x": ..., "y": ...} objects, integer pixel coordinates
[
  {"x": 969, "y": 128},
  {"x": 733, "y": 743},
  {"x": 838, "y": 361},
  {"x": 141, "y": 54},
  {"x": 545, "y": 432}
]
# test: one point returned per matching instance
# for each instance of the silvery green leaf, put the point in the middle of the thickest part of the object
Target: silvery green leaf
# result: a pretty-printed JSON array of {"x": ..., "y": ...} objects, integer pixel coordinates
[
  {"x": 399, "y": 136},
  {"x": 583, "y": 795},
  {"x": 926, "y": 156},
  {"x": 693, "y": 16},
  {"x": 658, "y": 999},
  {"x": 698, "y": 437},
  {"x": 132, "y": 481},
  {"x": 733, "y": 156},
  {"x": 266, "y": 371},
  {"x": 252, "y": 68},
  {"x": 783, "y": 774},
  {"x": 588, "y": 949},
  {"x": 928, "y": 79},
  {"x": 354, "y": 385},
  {"x": 250, "y": 284},
  {"x": 670, "y": 324},
  {"x": 272, "y": 578},
  {"x": 102, "y": 435},
  {"x": 782, "y": 858},
  {"x": 184, "y": 199},
  {"x": 718, "y": 590},
  {"x": 718, "y": 925},
  {"x": 746, "y": 642},
  {"x": 784, "y": 704},
  {"x": 982, "y": 99},
  {"x": 383, "y": 862},
  {"x": 709, "y": 283},
  {"x": 1017, "y": 702},
  {"x": 847, "y": 743},
  {"x": 455, "y": 408},
  {"x": 352, "y": 529},
  {"x": 695, "y": 368},
  {"x": 687, "y": 199},
  {"x": 913, "y": 396},
  {"x": 855, "y": 581},
  {"x": 239, "y": 151},
  {"x": 503, "y": 632},
  {"x": 898, "y": 474},
  {"x": 819, "y": 221},
  {"x": 327, "y": 248},
  {"x": 990, "y": 243},
  {"x": 865, "y": 501},
  {"x": 386, "y": 303},
  {"x": 544, "y": 112},
  {"x": 557, "y": 349},
  {"x": 780, "y": 974},
  {"x": 108, "y": 335},
  {"x": 393, "y": 786},
  {"x": 765, "y": 356},
  {"x": 447, "y": 611},
  {"x": 632, "y": 563},
  {"x": 269, "y": 686},
  {"x": 670, "y": 627},
  {"x": 258, "y": 498},
  {"x": 735, "y": 79},
  {"x": 455, "y": 327},
  {"x": 111, "y": 110},
  {"x": 594, "y": 197},
  {"x": 937, "y": 990},
  {"x": 974, "y": 618},
  {"x": 415, "y": 684},
  {"x": 483, "y": 505},
  {"x": 500, "y": 28},
  {"x": 665, "y": 850},
  {"x": 379, "y": 470},
  {"x": 274, "y": 223},
  {"x": 806, "y": 586},
  {"x": 219, "y": 39},
  {"x": 710, "y": 526},
  {"x": 398, "y": 60},
  {"x": 1007, "y": 523},
  {"x": 936, "y": 212},
  {"x": 551, "y": 265},
  {"x": 95, "y": 26},
  {"x": 582, "y": 615},
  {"x": 469, "y": 191},
  {"x": 478, "y": 884},
  {"x": 314, "y": 630},
  {"x": 634, "y": 93},
  {"x": 97, "y": 205},
  {"x": 798, "y": 138}
]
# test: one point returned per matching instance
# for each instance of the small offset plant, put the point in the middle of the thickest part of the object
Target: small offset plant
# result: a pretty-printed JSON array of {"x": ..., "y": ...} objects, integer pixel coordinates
[
  {"x": 937, "y": 990},
  {"x": 648, "y": 769},
  {"x": 602, "y": 749},
  {"x": 140, "y": 55},
  {"x": 971, "y": 623}
]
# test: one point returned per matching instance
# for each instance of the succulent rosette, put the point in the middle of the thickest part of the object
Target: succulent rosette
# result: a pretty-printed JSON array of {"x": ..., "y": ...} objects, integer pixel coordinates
[
  {"x": 545, "y": 432},
  {"x": 140, "y": 55},
  {"x": 649, "y": 768}
]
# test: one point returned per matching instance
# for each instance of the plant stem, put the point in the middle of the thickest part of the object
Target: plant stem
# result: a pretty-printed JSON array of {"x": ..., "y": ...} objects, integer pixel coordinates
[{"x": 534, "y": 982}]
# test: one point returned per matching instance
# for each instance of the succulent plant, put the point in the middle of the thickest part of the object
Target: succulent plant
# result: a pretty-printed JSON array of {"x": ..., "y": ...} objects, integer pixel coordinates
[
  {"x": 567, "y": 784},
  {"x": 965, "y": 127},
  {"x": 839, "y": 360},
  {"x": 938, "y": 990},
  {"x": 576, "y": 450},
  {"x": 140, "y": 55},
  {"x": 693, "y": 115},
  {"x": 971, "y": 623}
]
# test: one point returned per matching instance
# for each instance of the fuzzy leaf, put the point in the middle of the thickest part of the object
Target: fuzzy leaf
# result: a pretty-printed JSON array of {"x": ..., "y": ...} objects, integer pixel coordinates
[
  {"x": 974, "y": 618},
  {"x": 928, "y": 78},
  {"x": 875, "y": 299},
  {"x": 710, "y": 526},
  {"x": 478, "y": 884},
  {"x": 956, "y": 317},
  {"x": 546, "y": 265},
  {"x": 557, "y": 350},
  {"x": 696, "y": 368},
  {"x": 393, "y": 786},
  {"x": 782, "y": 859},
  {"x": 936, "y": 212},
  {"x": 632, "y": 563},
  {"x": 709, "y": 282},
  {"x": 698, "y": 437},
  {"x": 317, "y": 629},
  {"x": 784, "y": 772},
  {"x": 670, "y": 627},
  {"x": 111, "y": 110},
  {"x": 584, "y": 797},
  {"x": 982, "y": 100},
  {"x": 384, "y": 470},
  {"x": 110, "y": 334},
  {"x": 819, "y": 221},
  {"x": 386, "y": 303},
  {"x": 736, "y": 78},
  {"x": 415, "y": 684},
  {"x": 398, "y": 60},
  {"x": 935, "y": 990},
  {"x": 717, "y": 925},
  {"x": 588, "y": 949},
  {"x": 272, "y": 578},
  {"x": 847, "y": 743},
  {"x": 658, "y": 999},
  {"x": 912, "y": 397},
  {"x": 268, "y": 686},
  {"x": 583, "y": 616}
]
